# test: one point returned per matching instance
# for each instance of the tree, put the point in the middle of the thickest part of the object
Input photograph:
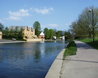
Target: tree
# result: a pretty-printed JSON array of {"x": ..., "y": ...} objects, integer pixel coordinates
[
  {"x": 37, "y": 28},
  {"x": 51, "y": 33},
  {"x": 82, "y": 27},
  {"x": 1, "y": 26},
  {"x": 6, "y": 29},
  {"x": 46, "y": 32},
  {"x": 59, "y": 34},
  {"x": 9, "y": 34},
  {"x": 20, "y": 34},
  {"x": 68, "y": 35},
  {"x": 5, "y": 32}
]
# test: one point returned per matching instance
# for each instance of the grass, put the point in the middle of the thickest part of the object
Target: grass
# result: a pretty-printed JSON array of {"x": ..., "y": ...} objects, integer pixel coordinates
[
  {"x": 70, "y": 49},
  {"x": 90, "y": 42}
]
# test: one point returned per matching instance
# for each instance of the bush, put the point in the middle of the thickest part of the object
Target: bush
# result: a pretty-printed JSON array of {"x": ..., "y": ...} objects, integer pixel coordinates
[{"x": 70, "y": 49}]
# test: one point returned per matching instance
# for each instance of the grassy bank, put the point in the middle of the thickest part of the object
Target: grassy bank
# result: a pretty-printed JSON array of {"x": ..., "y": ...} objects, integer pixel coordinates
[
  {"x": 90, "y": 42},
  {"x": 70, "y": 49}
]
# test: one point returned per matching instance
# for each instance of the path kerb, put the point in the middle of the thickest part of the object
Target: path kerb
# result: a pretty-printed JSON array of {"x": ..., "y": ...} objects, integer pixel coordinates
[{"x": 55, "y": 69}]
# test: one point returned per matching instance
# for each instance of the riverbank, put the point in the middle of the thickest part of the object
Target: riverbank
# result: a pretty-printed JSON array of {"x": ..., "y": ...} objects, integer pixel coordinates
[
  {"x": 55, "y": 69},
  {"x": 10, "y": 41},
  {"x": 17, "y": 41}
]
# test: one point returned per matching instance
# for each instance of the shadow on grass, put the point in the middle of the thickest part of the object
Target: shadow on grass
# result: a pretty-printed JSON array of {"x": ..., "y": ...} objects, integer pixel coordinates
[
  {"x": 90, "y": 42},
  {"x": 83, "y": 46},
  {"x": 93, "y": 44}
]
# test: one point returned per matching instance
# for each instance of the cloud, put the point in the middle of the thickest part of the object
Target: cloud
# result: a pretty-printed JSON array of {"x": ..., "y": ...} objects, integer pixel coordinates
[
  {"x": 53, "y": 25},
  {"x": 17, "y": 15},
  {"x": 43, "y": 10},
  {"x": 21, "y": 12},
  {"x": 13, "y": 18}
]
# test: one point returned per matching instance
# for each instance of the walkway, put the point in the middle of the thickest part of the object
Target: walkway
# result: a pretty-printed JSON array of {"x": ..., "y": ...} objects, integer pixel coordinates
[{"x": 82, "y": 65}]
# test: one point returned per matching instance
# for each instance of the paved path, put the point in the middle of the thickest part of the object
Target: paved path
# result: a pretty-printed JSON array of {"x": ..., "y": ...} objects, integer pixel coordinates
[{"x": 82, "y": 65}]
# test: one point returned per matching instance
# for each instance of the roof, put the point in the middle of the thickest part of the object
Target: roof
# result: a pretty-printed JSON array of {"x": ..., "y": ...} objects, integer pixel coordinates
[{"x": 42, "y": 34}]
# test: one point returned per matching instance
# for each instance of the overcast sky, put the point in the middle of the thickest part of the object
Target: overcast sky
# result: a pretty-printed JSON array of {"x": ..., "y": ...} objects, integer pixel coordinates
[{"x": 57, "y": 14}]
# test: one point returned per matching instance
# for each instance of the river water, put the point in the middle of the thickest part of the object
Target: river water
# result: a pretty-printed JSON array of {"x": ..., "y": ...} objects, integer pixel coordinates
[{"x": 28, "y": 60}]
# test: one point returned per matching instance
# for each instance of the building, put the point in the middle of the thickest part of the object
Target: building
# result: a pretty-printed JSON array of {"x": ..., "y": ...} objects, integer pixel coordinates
[
  {"x": 54, "y": 37},
  {"x": 0, "y": 35},
  {"x": 42, "y": 35},
  {"x": 63, "y": 37},
  {"x": 29, "y": 33}
]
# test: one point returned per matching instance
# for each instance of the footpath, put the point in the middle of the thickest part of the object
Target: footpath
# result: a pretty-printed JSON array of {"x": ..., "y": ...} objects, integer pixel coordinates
[{"x": 82, "y": 65}]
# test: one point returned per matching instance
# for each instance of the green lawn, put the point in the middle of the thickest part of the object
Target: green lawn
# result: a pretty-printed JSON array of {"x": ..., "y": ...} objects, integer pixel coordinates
[
  {"x": 70, "y": 49},
  {"x": 90, "y": 42}
]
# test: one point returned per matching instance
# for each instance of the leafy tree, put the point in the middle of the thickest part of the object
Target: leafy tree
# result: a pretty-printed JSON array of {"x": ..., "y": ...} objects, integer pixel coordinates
[
  {"x": 51, "y": 33},
  {"x": 20, "y": 34},
  {"x": 9, "y": 34},
  {"x": 46, "y": 32},
  {"x": 37, "y": 27},
  {"x": 1, "y": 26},
  {"x": 68, "y": 35},
  {"x": 59, "y": 34},
  {"x": 6, "y": 29},
  {"x": 82, "y": 27}
]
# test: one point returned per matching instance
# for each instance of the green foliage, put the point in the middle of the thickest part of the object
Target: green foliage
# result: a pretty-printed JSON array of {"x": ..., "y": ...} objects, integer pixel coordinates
[
  {"x": 68, "y": 36},
  {"x": 37, "y": 28},
  {"x": 59, "y": 34},
  {"x": 49, "y": 33},
  {"x": 83, "y": 26},
  {"x": 46, "y": 32},
  {"x": 70, "y": 49},
  {"x": 9, "y": 34},
  {"x": 1, "y": 27}
]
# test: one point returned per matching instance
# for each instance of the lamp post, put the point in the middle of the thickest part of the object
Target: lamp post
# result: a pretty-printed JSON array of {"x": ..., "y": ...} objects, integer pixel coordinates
[{"x": 92, "y": 23}]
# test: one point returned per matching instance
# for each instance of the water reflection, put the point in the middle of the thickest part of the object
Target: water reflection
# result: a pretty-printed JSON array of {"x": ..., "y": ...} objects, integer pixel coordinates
[{"x": 27, "y": 60}]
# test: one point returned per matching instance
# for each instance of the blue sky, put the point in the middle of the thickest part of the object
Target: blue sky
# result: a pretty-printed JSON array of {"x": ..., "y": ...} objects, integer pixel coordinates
[{"x": 56, "y": 14}]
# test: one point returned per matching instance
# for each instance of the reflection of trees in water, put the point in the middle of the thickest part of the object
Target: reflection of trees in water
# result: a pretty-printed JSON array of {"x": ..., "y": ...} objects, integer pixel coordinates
[
  {"x": 1, "y": 56},
  {"x": 52, "y": 47},
  {"x": 24, "y": 51},
  {"x": 34, "y": 51},
  {"x": 11, "y": 55},
  {"x": 28, "y": 57},
  {"x": 14, "y": 52},
  {"x": 37, "y": 53}
]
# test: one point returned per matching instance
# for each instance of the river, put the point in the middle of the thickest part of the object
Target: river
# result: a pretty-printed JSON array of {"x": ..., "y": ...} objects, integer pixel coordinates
[{"x": 28, "y": 60}]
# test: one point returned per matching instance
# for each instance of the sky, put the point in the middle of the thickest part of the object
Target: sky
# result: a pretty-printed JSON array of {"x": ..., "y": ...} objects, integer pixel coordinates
[{"x": 56, "y": 14}]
